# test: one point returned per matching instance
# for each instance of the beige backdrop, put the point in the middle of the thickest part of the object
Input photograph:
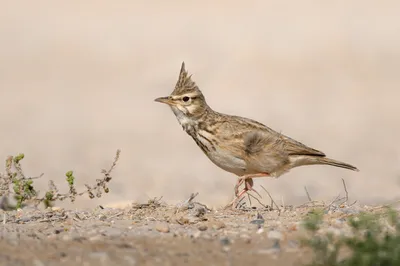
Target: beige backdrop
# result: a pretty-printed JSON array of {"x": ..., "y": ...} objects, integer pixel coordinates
[{"x": 78, "y": 80}]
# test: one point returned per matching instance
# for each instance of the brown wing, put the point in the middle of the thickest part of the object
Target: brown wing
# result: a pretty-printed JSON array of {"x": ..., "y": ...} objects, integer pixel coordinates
[
  {"x": 290, "y": 146},
  {"x": 294, "y": 147}
]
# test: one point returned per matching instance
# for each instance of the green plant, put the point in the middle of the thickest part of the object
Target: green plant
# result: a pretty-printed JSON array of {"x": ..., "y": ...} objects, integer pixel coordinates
[
  {"x": 14, "y": 183},
  {"x": 374, "y": 240}
]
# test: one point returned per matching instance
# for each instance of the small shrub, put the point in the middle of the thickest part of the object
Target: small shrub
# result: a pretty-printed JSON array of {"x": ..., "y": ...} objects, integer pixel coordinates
[
  {"x": 14, "y": 183},
  {"x": 375, "y": 241}
]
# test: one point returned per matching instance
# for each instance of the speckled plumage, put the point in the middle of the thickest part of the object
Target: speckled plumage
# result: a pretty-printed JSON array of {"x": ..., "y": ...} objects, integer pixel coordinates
[{"x": 236, "y": 144}]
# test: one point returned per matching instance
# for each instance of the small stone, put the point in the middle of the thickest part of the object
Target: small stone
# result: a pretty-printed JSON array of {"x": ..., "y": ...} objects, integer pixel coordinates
[
  {"x": 182, "y": 220},
  {"x": 218, "y": 225},
  {"x": 54, "y": 209},
  {"x": 52, "y": 237},
  {"x": 196, "y": 234},
  {"x": 276, "y": 235},
  {"x": 72, "y": 236},
  {"x": 162, "y": 228},
  {"x": 102, "y": 217},
  {"x": 66, "y": 238},
  {"x": 112, "y": 232},
  {"x": 202, "y": 227},
  {"x": 96, "y": 238},
  {"x": 37, "y": 262},
  {"x": 101, "y": 256},
  {"x": 225, "y": 242},
  {"x": 199, "y": 211},
  {"x": 246, "y": 238},
  {"x": 25, "y": 219},
  {"x": 260, "y": 230}
]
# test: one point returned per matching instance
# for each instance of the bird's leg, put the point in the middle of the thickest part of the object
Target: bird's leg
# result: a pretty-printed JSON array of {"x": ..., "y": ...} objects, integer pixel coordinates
[
  {"x": 248, "y": 186},
  {"x": 248, "y": 183},
  {"x": 238, "y": 183}
]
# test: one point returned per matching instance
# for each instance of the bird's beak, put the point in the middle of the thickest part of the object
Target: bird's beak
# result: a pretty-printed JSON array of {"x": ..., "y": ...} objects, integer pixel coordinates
[{"x": 166, "y": 100}]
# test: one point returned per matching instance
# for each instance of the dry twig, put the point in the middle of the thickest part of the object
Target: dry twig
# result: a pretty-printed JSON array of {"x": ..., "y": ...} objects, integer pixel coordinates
[
  {"x": 308, "y": 194},
  {"x": 272, "y": 200}
]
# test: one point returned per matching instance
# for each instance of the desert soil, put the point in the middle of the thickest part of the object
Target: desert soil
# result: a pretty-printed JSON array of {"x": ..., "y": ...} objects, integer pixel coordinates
[{"x": 155, "y": 233}]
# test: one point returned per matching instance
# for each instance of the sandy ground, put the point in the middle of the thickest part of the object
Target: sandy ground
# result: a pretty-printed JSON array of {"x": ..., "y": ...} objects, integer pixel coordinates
[
  {"x": 78, "y": 80},
  {"x": 155, "y": 233}
]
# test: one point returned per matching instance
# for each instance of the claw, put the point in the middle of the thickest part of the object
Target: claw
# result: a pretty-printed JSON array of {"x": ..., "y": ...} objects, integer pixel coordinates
[{"x": 248, "y": 186}]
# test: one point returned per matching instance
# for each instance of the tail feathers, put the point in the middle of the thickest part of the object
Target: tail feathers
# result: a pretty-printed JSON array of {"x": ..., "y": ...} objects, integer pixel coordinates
[
  {"x": 328, "y": 161},
  {"x": 309, "y": 160}
]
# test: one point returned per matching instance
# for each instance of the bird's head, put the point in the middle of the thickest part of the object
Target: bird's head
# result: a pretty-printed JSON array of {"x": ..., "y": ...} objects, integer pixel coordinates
[{"x": 186, "y": 100}]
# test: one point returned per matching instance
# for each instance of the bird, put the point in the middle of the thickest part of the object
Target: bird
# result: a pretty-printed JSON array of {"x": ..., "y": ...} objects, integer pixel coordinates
[{"x": 239, "y": 145}]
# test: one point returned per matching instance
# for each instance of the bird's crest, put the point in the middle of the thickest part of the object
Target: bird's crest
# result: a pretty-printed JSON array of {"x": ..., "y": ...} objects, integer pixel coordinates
[{"x": 184, "y": 83}]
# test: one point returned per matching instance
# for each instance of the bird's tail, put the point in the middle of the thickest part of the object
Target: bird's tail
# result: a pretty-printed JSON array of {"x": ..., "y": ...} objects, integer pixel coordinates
[
  {"x": 309, "y": 160},
  {"x": 328, "y": 161}
]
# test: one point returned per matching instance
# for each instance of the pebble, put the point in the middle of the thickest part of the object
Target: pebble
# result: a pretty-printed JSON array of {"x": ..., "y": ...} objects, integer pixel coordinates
[
  {"x": 52, "y": 237},
  {"x": 162, "y": 228},
  {"x": 202, "y": 227},
  {"x": 72, "y": 236},
  {"x": 102, "y": 256},
  {"x": 246, "y": 238},
  {"x": 112, "y": 232},
  {"x": 218, "y": 225},
  {"x": 199, "y": 211},
  {"x": 260, "y": 230},
  {"x": 225, "y": 242},
  {"x": 274, "y": 234},
  {"x": 196, "y": 234},
  {"x": 66, "y": 237},
  {"x": 182, "y": 220},
  {"x": 96, "y": 238},
  {"x": 37, "y": 262},
  {"x": 58, "y": 230}
]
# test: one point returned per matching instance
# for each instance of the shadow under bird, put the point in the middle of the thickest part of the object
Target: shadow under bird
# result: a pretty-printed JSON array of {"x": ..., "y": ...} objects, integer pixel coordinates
[{"x": 237, "y": 144}]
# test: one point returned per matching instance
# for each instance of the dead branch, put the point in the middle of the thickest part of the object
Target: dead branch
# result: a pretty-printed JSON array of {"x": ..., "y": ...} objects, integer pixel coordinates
[
  {"x": 345, "y": 189},
  {"x": 187, "y": 204},
  {"x": 272, "y": 200},
  {"x": 308, "y": 194},
  {"x": 250, "y": 195}
]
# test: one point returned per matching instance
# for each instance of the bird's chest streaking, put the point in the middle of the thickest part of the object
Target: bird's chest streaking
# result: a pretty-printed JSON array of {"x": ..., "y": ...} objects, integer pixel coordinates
[{"x": 207, "y": 142}]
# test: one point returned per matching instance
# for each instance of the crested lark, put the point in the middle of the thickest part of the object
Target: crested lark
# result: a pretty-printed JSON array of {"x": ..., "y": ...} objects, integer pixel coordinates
[{"x": 236, "y": 144}]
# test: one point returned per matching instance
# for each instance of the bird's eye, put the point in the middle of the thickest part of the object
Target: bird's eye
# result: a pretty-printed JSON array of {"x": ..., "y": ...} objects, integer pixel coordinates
[{"x": 185, "y": 99}]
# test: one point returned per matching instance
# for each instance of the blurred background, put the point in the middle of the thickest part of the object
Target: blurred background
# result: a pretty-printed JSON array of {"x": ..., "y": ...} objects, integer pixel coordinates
[{"x": 78, "y": 80}]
